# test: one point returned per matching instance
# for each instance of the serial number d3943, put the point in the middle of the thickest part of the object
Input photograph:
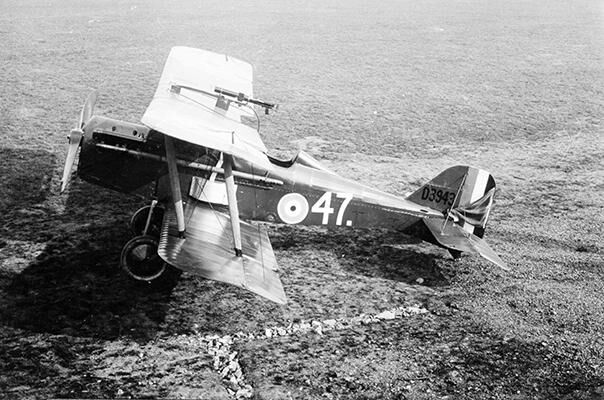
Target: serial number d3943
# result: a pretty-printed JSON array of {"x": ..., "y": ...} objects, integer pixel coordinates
[{"x": 438, "y": 196}]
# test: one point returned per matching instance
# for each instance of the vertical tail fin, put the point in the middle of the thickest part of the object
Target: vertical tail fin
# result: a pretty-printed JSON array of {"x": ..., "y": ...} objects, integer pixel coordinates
[
  {"x": 465, "y": 196},
  {"x": 464, "y": 193}
]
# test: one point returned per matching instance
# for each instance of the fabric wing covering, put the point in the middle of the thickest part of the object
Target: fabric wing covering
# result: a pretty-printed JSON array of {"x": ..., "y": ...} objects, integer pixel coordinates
[
  {"x": 207, "y": 251},
  {"x": 452, "y": 236},
  {"x": 185, "y": 105}
]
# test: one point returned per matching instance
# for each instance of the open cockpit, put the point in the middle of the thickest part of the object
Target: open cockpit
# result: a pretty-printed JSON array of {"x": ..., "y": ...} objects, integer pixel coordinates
[{"x": 301, "y": 158}]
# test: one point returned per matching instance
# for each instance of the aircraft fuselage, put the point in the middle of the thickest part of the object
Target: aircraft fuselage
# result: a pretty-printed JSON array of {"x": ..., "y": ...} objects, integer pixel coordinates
[{"x": 128, "y": 158}]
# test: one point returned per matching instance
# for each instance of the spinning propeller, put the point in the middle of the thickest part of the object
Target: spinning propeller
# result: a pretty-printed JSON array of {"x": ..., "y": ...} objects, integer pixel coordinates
[{"x": 75, "y": 138}]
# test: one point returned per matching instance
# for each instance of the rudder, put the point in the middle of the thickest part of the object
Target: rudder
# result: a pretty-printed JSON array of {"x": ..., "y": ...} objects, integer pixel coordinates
[{"x": 464, "y": 193}]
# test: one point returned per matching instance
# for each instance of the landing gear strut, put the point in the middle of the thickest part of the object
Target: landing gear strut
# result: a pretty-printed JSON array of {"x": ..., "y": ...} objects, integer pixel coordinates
[{"x": 139, "y": 219}]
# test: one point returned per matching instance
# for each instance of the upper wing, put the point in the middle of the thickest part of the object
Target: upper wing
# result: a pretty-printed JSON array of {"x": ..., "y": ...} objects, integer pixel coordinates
[
  {"x": 208, "y": 251},
  {"x": 185, "y": 104}
]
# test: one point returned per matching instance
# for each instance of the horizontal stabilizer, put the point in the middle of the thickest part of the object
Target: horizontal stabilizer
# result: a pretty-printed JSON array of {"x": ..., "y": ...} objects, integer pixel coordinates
[
  {"x": 207, "y": 250},
  {"x": 453, "y": 236}
]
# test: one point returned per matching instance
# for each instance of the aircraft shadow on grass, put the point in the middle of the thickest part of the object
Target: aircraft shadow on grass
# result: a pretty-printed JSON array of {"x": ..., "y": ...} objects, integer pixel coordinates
[
  {"x": 74, "y": 285},
  {"x": 376, "y": 253}
]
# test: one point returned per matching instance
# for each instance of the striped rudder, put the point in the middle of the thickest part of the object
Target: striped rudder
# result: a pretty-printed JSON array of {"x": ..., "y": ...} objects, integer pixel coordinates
[{"x": 464, "y": 194}]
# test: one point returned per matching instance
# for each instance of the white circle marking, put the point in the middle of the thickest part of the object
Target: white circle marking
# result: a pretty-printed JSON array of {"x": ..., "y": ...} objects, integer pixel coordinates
[{"x": 292, "y": 208}]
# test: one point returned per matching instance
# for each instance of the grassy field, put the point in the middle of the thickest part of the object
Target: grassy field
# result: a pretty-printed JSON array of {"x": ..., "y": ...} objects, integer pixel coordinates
[{"x": 388, "y": 94}]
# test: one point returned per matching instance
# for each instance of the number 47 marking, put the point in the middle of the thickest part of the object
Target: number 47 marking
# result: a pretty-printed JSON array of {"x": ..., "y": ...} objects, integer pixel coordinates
[{"x": 323, "y": 206}]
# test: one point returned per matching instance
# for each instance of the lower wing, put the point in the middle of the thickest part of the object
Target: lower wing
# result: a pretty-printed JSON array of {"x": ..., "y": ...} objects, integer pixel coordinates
[{"x": 207, "y": 250}]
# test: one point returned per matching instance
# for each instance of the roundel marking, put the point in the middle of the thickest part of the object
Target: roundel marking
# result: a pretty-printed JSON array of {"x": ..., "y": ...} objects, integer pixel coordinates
[{"x": 292, "y": 208}]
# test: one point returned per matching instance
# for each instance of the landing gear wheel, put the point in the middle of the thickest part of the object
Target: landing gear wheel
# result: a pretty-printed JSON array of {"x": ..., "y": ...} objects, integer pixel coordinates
[
  {"x": 139, "y": 220},
  {"x": 140, "y": 259}
]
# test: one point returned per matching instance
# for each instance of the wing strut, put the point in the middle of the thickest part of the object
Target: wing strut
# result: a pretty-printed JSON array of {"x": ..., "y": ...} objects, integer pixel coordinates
[
  {"x": 175, "y": 185},
  {"x": 232, "y": 199}
]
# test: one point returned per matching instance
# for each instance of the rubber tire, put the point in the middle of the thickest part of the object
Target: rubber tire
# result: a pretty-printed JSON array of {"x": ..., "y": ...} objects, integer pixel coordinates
[
  {"x": 139, "y": 219},
  {"x": 140, "y": 260}
]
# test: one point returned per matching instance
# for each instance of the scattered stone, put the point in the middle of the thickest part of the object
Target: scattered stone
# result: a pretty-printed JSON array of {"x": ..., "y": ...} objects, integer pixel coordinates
[
  {"x": 246, "y": 392},
  {"x": 317, "y": 327},
  {"x": 227, "y": 364},
  {"x": 419, "y": 281},
  {"x": 305, "y": 327},
  {"x": 368, "y": 320},
  {"x": 455, "y": 378},
  {"x": 19, "y": 388},
  {"x": 329, "y": 324},
  {"x": 226, "y": 340},
  {"x": 416, "y": 309},
  {"x": 386, "y": 315}
]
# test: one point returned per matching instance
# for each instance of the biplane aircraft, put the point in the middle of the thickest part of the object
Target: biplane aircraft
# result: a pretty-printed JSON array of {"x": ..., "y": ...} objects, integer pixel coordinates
[{"x": 201, "y": 161}]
